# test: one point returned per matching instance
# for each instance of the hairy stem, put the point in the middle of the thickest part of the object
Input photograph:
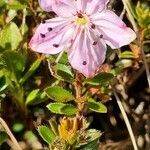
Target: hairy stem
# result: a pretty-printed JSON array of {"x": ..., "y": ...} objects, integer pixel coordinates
[
  {"x": 5, "y": 126},
  {"x": 79, "y": 100}
]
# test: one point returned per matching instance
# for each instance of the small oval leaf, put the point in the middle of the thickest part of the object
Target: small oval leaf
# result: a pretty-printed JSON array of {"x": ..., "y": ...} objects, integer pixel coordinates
[
  {"x": 32, "y": 95},
  {"x": 63, "y": 72},
  {"x": 94, "y": 145},
  {"x": 100, "y": 79},
  {"x": 60, "y": 108},
  {"x": 126, "y": 54},
  {"x": 69, "y": 110},
  {"x": 96, "y": 106},
  {"x": 55, "y": 107},
  {"x": 46, "y": 134},
  {"x": 91, "y": 135},
  {"x": 59, "y": 94},
  {"x": 124, "y": 63},
  {"x": 10, "y": 37},
  {"x": 36, "y": 97},
  {"x": 64, "y": 68}
]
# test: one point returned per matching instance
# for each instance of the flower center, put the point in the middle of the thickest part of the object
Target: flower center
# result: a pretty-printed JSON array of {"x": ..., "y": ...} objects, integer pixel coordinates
[{"x": 81, "y": 20}]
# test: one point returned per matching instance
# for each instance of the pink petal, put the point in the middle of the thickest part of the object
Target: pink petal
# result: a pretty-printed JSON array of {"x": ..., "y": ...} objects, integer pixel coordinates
[
  {"x": 81, "y": 5},
  {"x": 51, "y": 37},
  {"x": 115, "y": 33},
  {"x": 86, "y": 57},
  {"x": 64, "y": 9},
  {"x": 46, "y": 5},
  {"x": 95, "y": 5},
  {"x": 69, "y": 2}
]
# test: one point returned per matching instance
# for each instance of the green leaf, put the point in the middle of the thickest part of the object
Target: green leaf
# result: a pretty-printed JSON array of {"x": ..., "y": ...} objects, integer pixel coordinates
[
  {"x": 30, "y": 137},
  {"x": 36, "y": 97},
  {"x": 63, "y": 59},
  {"x": 88, "y": 137},
  {"x": 131, "y": 7},
  {"x": 55, "y": 107},
  {"x": 18, "y": 126},
  {"x": 3, "y": 2},
  {"x": 59, "y": 94},
  {"x": 32, "y": 69},
  {"x": 3, "y": 84},
  {"x": 16, "y": 5},
  {"x": 11, "y": 15},
  {"x": 63, "y": 72},
  {"x": 10, "y": 37},
  {"x": 93, "y": 134},
  {"x": 60, "y": 108},
  {"x": 64, "y": 68},
  {"x": 124, "y": 63},
  {"x": 126, "y": 54},
  {"x": 32, "y": 95},
  {"x": 100, "y": 79},
  {"x": 69, "y": 110},
  {"x": 143, "y": 13},
  {"x": 94, "y": 145},
  {"x": 3, "y": 137},
  {"x": 46, "y": 134},
  {"x": 13, "y": 62},
  {"x": 96, "y": 106}
]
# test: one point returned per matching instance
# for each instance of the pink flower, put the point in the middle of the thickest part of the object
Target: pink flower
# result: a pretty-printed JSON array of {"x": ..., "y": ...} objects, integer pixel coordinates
[{"x": 82, "y": 29}]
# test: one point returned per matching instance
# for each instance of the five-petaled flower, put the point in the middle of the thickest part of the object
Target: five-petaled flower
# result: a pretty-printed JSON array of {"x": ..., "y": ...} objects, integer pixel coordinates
[{"x": 82, "y": 28}]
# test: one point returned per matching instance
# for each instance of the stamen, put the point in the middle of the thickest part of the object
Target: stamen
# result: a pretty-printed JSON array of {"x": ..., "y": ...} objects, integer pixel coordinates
[
  {"x": 42, "y": 35},
  {"x": 84, "y": 63}
]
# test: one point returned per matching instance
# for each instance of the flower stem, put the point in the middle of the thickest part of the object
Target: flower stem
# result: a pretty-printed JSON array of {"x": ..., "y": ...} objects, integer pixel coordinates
[
  {"x": 125, "y": 119},
  {"x": 5, "y": 126}
]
